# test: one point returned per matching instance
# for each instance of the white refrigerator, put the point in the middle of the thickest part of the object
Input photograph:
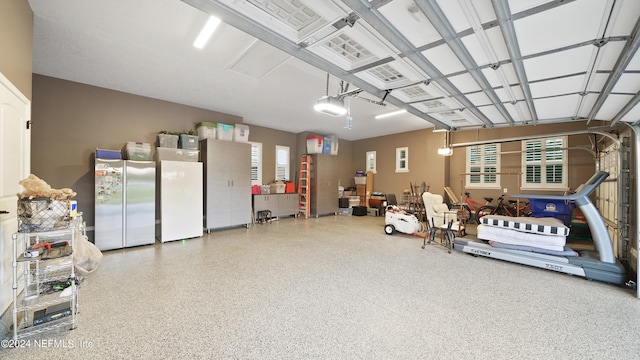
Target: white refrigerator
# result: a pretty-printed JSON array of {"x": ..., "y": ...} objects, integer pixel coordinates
[{"x": 180, "y": 202}]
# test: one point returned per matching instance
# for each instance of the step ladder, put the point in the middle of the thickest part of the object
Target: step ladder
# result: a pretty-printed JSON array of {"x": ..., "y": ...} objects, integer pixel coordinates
[{"x": 304, "y": 189}]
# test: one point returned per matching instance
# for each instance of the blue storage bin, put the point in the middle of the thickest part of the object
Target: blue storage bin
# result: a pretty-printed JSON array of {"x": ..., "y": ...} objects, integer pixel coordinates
[
  {"x": 558, "y": 209},
  {"x": 108, "y": 154},
  {"x": 326, "y": 145}
]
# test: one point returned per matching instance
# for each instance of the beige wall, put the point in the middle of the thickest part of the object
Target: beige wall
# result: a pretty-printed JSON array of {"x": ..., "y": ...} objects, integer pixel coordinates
[
  {"x": 424, "y": 164},
  {"x": 269, "y": 139},
  {"x": 16, "y": 42},
  {"x": 439, "y": 171},
  {"x": 71, "y": 120}
]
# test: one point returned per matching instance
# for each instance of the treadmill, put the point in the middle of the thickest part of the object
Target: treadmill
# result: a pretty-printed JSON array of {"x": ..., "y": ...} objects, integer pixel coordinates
[{"x": 600, "y": 265}]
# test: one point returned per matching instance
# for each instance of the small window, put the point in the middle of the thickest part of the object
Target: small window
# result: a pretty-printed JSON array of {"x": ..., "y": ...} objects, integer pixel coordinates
[
  {"x": 256, "y": 163},
  {"x": 282, "y": 162},
  {"x": 402, "y": 159},
  {"x": 544, "y": 163},
  {"x": 485, "y": 161},
  {"x": 371, "y": 161}
]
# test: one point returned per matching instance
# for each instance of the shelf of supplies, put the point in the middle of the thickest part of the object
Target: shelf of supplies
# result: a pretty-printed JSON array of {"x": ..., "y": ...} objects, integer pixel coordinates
[
  {"x": 39, "y": 282},
  {"x": 64, "y": 322}
]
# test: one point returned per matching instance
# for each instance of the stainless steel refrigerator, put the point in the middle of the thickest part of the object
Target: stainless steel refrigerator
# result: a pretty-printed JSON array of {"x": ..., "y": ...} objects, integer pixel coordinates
[{"x": 125, "y": 203}]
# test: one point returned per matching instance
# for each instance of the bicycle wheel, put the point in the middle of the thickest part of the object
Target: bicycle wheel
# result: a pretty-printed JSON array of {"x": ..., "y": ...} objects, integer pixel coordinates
[
  {"x": 506, "y": 211},
  {"x": 485, "y": 210}
]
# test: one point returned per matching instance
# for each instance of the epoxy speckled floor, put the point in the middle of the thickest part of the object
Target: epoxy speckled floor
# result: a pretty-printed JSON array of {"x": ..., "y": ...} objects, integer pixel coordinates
[{"x": 336, "y": 288}]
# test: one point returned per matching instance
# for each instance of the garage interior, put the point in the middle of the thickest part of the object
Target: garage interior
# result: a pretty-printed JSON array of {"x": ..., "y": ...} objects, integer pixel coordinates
[{"x": 453, "y": 76}]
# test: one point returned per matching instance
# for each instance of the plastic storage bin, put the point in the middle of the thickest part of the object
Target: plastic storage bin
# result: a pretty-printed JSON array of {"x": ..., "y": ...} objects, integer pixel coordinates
[
  {"x": 168, "y": 141},
  {"x": 241, "y": 133},
  {"x": 137, "y": 151},
  {"x": 224, "y": 132},
  {"x": 326, "y": 145},
  {"x": 334, "y": 145},
  {"x": 177, "y": 154},
  {"x": 345, "y": 211},
  {"x": 289, "y": 187},
  {"x": 558, "y": 209},
  {"x": 315, "y": 144},
  {"x": 277, "y": 188},
  {"x": 108, "y": 154},
  {"x": 206, "y": 130},
  {"x": 360, "y": 180},
  {"x": 189, "y": 142}
]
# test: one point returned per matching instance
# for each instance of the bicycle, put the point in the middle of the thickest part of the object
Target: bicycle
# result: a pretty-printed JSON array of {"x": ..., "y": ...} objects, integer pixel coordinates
[
  {"x": 524, "y": 210},
  {"x": 504, "y": 209},
  {"x": 473, "y": 206}
]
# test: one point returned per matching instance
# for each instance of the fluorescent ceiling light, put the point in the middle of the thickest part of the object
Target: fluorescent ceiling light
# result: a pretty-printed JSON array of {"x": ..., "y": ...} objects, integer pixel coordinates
[
  {"x": 393, "y": 113},
  {"x": 206, "y": 32},
  {"x": 330, "y": 105}
]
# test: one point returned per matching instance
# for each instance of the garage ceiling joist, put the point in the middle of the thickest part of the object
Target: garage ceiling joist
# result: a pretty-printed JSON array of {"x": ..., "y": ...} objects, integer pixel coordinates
[{"x": 452, "y": 64}]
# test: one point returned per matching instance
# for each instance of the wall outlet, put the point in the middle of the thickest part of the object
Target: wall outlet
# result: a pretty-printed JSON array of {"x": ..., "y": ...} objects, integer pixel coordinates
[{"x": 504, "y": 190}]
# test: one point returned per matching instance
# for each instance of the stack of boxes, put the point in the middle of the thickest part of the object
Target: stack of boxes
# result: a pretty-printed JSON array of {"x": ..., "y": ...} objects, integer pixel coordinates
[
  {"x": 168, "y": 147},
  {"x": 317, "y": 144}
]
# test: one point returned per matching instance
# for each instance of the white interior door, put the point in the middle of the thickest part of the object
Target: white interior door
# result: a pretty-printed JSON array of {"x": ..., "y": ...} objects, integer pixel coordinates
[{"x": 15, "y": 111}]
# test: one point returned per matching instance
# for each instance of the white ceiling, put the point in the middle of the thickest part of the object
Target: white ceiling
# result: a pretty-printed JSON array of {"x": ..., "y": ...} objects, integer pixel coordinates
[{"x": 268, "y": 61}]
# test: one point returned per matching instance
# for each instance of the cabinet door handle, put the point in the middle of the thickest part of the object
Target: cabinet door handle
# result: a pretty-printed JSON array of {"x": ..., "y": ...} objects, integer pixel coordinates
[{"x": 3, "y": 212}]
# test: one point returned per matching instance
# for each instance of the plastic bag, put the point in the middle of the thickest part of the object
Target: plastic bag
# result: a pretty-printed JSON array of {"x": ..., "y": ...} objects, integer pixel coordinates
[{"x": 86, "y": 256}]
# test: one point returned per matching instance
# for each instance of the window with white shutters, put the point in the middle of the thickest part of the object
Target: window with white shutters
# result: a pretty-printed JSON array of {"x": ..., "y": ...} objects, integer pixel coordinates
[
  {"x": 371, "y": 161},
  {"x": 256, "y": 163},
  {"x": 485, "y": 161},
  {"x": 544, "y": 163},
  {"x": 282, "y": 162},
  {"x": 402, "y": 159}
]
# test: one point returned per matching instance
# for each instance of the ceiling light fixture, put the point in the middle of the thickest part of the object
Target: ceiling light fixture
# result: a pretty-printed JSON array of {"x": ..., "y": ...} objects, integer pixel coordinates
[
  {"x": 389, "y": 114},
  {"x": 206, "y": 32},
  {"x": 446, "y": 150}
]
